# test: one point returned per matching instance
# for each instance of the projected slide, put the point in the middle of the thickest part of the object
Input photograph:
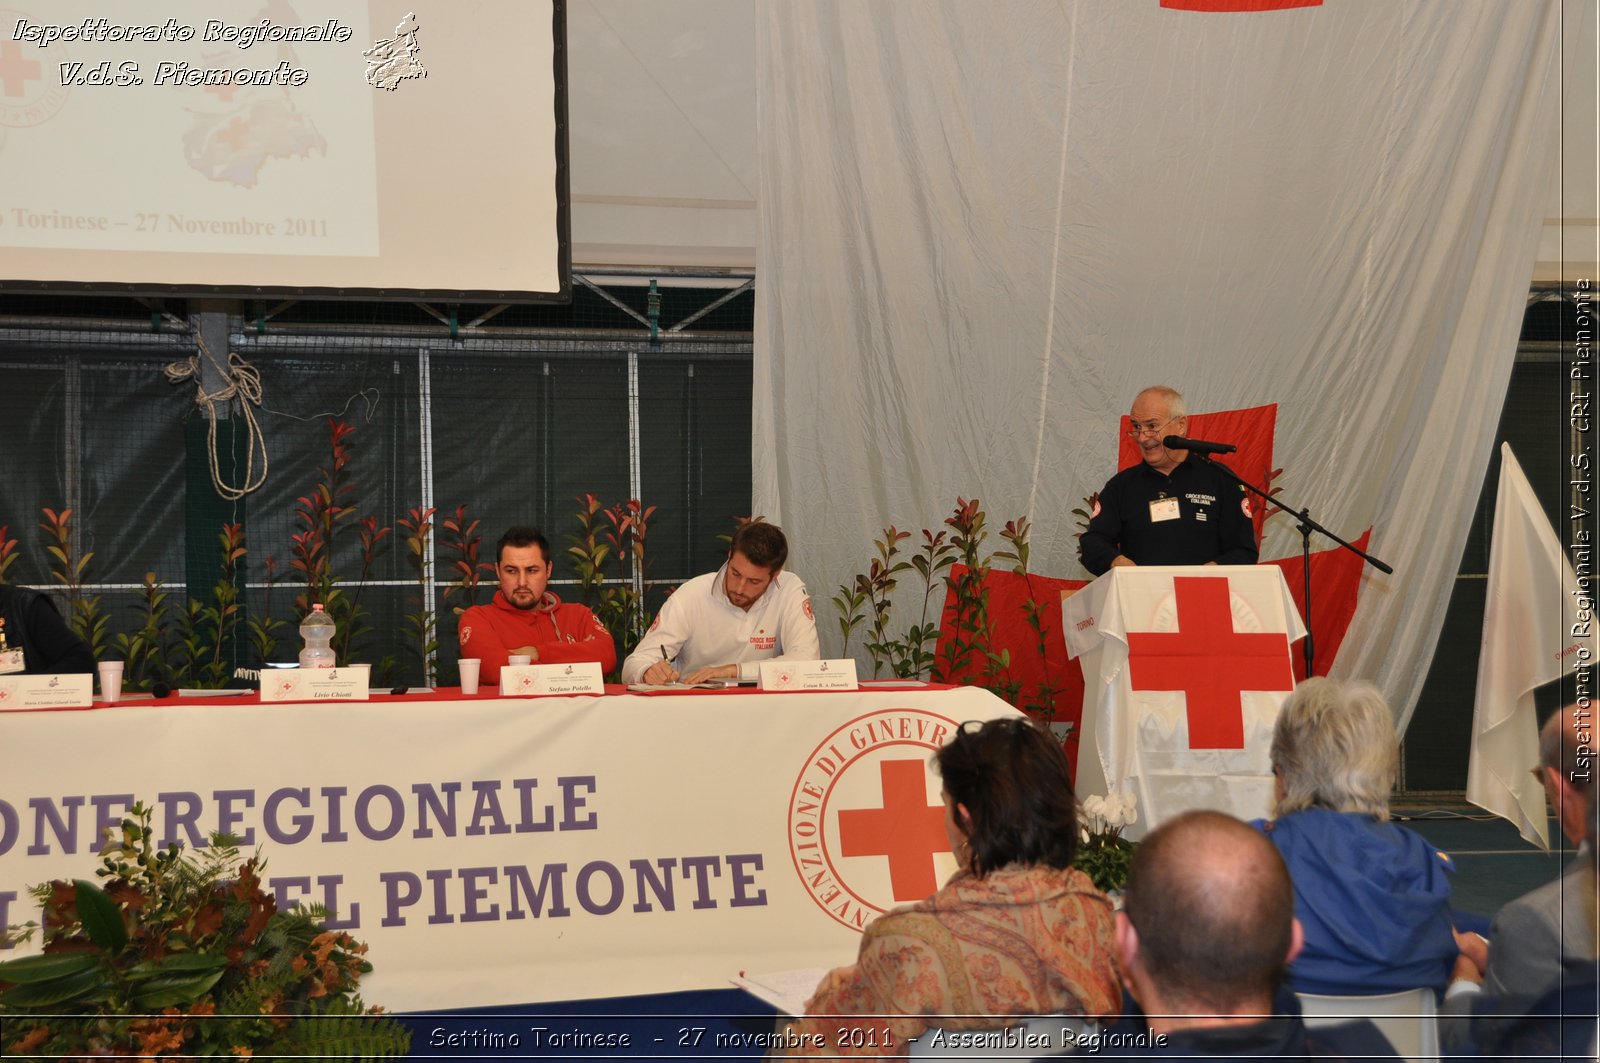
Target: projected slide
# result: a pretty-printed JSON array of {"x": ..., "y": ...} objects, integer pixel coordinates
[{"x": 281, "y": 145}]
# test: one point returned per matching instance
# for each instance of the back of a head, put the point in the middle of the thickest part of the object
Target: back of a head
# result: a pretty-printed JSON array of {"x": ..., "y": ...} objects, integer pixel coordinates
[
  {"x": 762, "y": 543},
  {"x": 1334, "y": 747},
  {"x": 1565, "y": 745},
  {"x": 1013, "y": 778},
  {"x": 1212, "y": 904}
]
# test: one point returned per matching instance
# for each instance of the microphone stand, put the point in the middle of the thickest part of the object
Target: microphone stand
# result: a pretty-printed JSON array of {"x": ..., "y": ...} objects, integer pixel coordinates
[{"x": 1306, "y": 525}]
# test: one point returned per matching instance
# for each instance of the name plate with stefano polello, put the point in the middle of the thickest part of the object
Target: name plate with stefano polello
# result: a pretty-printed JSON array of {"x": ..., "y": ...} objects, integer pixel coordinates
[
  {"x": 537, "y": 680},
  {"x": 839, "y": 674},
  {"x": 18, "y": 692},
  {"x": 347, "y": 682}
]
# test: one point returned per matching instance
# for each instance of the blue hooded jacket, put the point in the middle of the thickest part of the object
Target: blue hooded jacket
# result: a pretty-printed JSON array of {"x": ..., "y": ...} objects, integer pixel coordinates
[{"x": 1373, "y": 899}]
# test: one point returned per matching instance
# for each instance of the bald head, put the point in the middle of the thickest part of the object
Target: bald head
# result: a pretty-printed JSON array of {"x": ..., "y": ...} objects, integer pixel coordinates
[
  {"x": 1566, "y": 755},
  {"x": 1211, "y": 902}
]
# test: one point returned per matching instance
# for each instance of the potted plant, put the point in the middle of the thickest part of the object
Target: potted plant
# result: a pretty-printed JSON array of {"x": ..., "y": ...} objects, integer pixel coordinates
[{"x": 178, "y": 954}]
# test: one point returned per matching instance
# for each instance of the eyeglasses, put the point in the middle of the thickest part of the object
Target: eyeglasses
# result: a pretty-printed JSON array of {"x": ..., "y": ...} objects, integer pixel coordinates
[{"x": 1135, "y": 429}]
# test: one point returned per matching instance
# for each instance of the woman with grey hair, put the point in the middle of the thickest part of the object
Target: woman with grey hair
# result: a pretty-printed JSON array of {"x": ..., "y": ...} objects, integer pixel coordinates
[{"x": 1372, "y": 898}]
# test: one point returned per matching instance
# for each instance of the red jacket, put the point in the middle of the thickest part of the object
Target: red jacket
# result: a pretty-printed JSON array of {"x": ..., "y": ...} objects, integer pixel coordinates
[{"x": 561, "y": 633}]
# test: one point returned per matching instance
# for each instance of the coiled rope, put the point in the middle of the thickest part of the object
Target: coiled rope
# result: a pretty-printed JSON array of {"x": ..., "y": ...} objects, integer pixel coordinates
[{"x": 243, "y": 388}]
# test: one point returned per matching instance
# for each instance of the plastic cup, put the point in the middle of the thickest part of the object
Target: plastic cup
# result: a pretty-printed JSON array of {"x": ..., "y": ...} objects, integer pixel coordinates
[
  {"x": 110, "y": 681},
  {"x": 469, "y": 674},
  {"x": 519, "y": 658}
]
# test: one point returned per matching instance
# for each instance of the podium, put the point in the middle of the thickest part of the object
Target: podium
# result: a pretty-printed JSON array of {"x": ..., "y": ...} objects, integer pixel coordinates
[{"x": 1184, "y": 670}]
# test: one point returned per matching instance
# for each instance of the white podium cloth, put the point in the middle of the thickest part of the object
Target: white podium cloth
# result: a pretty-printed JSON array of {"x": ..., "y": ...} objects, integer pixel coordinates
[{"x": 1184, "y": 670}]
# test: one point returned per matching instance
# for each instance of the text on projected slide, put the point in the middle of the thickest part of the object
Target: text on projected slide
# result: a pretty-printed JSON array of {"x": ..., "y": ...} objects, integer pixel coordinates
[{"x": 238, "y": 132}]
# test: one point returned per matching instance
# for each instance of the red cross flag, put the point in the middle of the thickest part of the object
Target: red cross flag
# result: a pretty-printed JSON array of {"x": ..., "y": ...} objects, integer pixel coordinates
[{"x": 1184, "y": 670}]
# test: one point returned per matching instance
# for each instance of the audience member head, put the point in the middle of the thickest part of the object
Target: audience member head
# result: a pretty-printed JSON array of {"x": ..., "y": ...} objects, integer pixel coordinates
[
  {"x": 1208, "y": 923},
  {"x": 1334, "y": 747},
  {"x": 1566, "y": 767},
  {"x": 1008, "y": 796}
]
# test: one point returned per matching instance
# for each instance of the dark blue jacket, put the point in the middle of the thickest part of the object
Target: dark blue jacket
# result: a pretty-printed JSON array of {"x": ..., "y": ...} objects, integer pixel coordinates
[{"x": 1373, "y": 899}]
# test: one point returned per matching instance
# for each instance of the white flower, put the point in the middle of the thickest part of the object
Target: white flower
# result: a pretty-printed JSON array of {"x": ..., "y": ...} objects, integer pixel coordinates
[
  {"x": 1095, "y": 806},
  {"x": 1083, "y": 832}
]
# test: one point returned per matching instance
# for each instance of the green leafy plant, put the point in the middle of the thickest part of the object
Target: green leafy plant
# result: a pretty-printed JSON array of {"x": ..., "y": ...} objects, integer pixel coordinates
[
  {"x": 878, "y": 584},
  {"x": 464, "y": 541},
  {"x": 418, "y": 527},
  {"x": 969, "y": 651},
  {"x": 263, "y": 627},
  {"x": 177, "y": 955},
  {"x": 352, "y": 616},
  {"x": 1042, "y": 701},
  {"x": 613, "y": 535},
  {"x": 85, "y": 615},
  {"x": 145, "y": 651},
  {"x": 1103, "y": 853},
  {"x": 223, "y": 616},
  {"x": 320, "y": 515},
  {"x": 869, "y": 594},
  {"x": 933, "y": 564},
  {"x": 8, "y": 553}
]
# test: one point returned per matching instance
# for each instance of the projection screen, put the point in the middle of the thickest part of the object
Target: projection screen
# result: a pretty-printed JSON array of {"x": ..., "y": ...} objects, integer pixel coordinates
[{"x": 362, "y": 148}]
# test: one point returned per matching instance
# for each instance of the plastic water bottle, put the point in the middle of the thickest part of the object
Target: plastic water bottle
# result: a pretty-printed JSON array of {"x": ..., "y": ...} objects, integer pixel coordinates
[{"x": 317, "y": 631}]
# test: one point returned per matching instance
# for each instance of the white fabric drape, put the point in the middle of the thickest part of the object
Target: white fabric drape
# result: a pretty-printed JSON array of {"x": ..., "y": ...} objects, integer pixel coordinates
[{"x": 985, "y": 226}]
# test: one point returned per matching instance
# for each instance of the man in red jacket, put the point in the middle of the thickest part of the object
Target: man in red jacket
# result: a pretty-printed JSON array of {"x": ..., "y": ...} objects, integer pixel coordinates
[{"x": 526, "y": 618}]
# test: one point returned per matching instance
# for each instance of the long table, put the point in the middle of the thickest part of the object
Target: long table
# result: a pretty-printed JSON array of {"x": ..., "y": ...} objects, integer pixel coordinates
[{"x": 495, "y": 850}]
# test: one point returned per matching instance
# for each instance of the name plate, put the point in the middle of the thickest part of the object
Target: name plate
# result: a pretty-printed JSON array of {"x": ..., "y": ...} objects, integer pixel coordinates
[
  {"x": 534, "y": 680},
  {"x": 18, "y": 692},
  {"x": 349, "y": 682},
  {"x": 809, "y": 675}
]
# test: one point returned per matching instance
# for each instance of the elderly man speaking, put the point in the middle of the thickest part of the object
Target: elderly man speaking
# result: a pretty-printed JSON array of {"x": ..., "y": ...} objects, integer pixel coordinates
[{"x": 1172, "y": 508}]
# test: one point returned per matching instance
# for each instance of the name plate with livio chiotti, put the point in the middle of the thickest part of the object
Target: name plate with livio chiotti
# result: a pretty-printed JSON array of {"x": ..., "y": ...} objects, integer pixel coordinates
[
  {"x": 809, "y": 675},
  {"x": 347, "y": 682},
  {"x": 18, "y": 692},
  {"x": 530, "y": 680}
]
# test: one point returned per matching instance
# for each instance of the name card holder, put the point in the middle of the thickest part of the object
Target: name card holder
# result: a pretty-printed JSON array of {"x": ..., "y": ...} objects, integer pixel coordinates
[
  {"x": 838, "y": 674},
  {"x": 348, "y": 682},
  {"x": 541, "y": 680},
  {"x": 19, "y": 692}
]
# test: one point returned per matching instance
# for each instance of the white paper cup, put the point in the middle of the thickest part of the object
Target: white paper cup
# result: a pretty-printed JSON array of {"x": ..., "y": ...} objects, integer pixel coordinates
[
  {"x": 110, "y": 681},
  {"x": 519, "y": 658},
  {"x": 469, "y": 674}
]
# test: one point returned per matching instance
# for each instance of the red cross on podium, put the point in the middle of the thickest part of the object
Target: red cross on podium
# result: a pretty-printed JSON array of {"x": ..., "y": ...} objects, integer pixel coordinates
[
  {"x": 908, "y": 830},
  {"x": 1209, "y": 661}
]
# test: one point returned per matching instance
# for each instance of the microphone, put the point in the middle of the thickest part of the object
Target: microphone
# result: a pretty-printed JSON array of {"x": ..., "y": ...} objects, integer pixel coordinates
[{"x": 1199, "y": 446}]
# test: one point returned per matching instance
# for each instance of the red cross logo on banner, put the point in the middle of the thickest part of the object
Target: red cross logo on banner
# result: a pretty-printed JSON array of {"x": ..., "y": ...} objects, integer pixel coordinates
[
  {"x": 908, "y": 830},
  {"x": 1210, "y": 662}
]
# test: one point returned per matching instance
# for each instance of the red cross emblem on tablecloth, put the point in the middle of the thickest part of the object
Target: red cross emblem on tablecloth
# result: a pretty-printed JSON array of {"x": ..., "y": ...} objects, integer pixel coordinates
[
  {"x": 908, "y": 830},
  {"x": 1209, "y": 661}
]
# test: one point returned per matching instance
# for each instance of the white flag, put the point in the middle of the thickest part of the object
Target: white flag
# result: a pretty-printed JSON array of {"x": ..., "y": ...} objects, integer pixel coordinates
[{"x": 1529, "y": 639}]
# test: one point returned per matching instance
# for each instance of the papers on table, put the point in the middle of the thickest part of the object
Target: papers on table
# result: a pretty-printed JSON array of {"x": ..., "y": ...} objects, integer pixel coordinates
[{"x": 787, "y": 991}]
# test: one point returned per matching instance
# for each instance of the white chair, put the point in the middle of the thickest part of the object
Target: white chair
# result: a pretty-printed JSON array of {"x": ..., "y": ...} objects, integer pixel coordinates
[
  {"x": 1409, "y": 1019},
  {"x": 1037, "y": 1036}
]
